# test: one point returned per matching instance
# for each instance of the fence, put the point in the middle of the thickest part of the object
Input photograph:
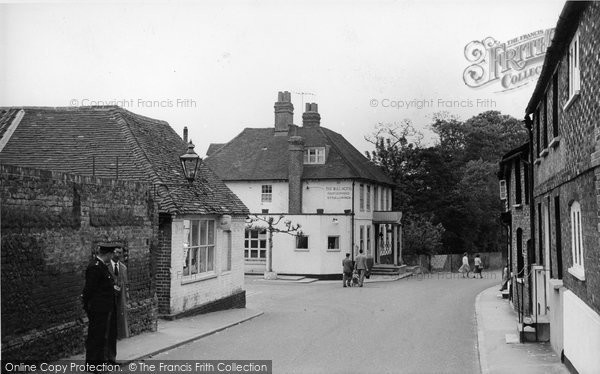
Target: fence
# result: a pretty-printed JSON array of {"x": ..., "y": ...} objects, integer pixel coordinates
[{"x": 451, "y": 262}]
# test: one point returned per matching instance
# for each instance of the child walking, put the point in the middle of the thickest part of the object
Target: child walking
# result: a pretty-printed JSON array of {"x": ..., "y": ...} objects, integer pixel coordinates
[
  {"x": 465, "y": 266},
  {"x": 478, "y": 267}
]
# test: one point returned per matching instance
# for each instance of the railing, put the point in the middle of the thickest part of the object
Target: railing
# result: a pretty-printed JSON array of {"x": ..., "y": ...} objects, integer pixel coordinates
[{"x": 535, "y": 278}]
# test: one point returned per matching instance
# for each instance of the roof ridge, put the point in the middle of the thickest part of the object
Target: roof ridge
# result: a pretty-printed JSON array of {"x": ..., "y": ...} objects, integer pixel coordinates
[
  {"x": 226, "y": 144},
  {"x": 334, "y": 145}
]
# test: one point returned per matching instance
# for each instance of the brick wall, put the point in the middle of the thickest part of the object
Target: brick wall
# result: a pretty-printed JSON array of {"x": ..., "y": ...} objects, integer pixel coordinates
[
  {"x": 162, "y": 263},
  {"x": 570, "y": 169},
  {"x": 51, "y": 222}
]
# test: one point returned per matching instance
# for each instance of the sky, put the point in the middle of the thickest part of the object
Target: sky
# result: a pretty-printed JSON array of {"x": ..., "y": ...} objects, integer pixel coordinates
[{"x": 216, "y": 66}]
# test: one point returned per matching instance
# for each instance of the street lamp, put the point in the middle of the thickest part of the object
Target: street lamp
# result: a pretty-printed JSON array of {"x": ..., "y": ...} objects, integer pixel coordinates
[{"x": 189, "y": 163}]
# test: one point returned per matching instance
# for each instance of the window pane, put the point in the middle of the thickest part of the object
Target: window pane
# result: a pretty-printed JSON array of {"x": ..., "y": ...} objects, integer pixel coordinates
[
  {"x": 202, "y": 261},
  {"x": 210, "y": 263},
  {"x": 203, "y": 232},
  {"x": 186, "y": 266},
  {"x": 194, "y": 261},
  {"x": 254, "y": 254},
  {"x": 195, "y": 233},
  {"x": 211, "y": 232},
  {"x": 263, "y": 254},
  {"x": 333, "y": 242},
  {"x": 246, "y": 253},
  {"x": 254, "y": 244},
  {"x": 302, "y": 242},
  {"x": 254, "y": 234},
  {"x": 263, "y": 244}
]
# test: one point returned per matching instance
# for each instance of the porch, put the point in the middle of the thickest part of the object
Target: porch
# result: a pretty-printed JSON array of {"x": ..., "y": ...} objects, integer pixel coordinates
[{"x": 388, "y": 239}]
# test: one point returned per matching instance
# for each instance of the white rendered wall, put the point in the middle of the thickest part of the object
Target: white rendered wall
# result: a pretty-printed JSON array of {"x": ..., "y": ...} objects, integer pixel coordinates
[
  {"x": 555, "y": 314},
  {"x": 250, "y": 194},
  {"x": 188, "y": 293},
  {"x": 581, "y": 334},
  {"x": 317, "y": 259},
  {"x": 331, "y": 196}
]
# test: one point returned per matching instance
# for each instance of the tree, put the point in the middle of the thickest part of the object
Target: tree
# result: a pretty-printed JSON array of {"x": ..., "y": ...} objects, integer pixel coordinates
[
  {"x": 421, "y": 235},
  {"x": 452, "y": 183},
  {"x": 271, "y": 226}
]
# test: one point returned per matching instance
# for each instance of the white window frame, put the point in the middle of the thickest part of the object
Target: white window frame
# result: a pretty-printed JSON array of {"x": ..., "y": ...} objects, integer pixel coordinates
[
  {"x": 574, "y": 67},
  {"x": 337, "y": 242},
  {"x": 361, "y": 237},
  {"x": 200, "y": 244},
  {"x": 266, "y": 193},
  {"x": 368, "y": 239},
  {"x": 258, "y": 236},
  {"x": 375, "y": 198},
  {"x": 368, "y": 198},
  {"x": 314, "y": 155},
  {"x": 362, "y": 197},
  {"x": 577, "y": 250},
  {"x": 298, "y": 248}
]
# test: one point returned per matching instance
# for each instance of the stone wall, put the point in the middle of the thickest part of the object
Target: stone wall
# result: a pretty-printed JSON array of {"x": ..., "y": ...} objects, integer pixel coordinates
[{"x": 51, "y": 223}]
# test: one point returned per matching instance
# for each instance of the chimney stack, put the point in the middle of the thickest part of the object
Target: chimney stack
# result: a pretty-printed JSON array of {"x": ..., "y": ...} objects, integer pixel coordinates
[
  {"x": 311, "y": 117},
  {"x": 284, "y": 113},
  {"x": 295, "y": 169},
  {"x": 185, "y": 134}
]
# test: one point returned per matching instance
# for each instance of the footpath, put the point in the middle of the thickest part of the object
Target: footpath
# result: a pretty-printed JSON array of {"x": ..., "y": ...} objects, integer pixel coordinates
[
  {"x": 499, "y": 349},
  {"x": 172, "y": 334}
]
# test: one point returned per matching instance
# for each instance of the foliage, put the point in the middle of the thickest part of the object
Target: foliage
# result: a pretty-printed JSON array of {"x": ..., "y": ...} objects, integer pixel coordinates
[
  {"x": 452, "y": 183},
  {"x": 421, "y": 235}
]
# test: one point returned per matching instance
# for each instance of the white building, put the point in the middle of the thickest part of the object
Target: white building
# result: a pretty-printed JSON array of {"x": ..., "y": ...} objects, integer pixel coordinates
[{"x": 317, "y": 179}]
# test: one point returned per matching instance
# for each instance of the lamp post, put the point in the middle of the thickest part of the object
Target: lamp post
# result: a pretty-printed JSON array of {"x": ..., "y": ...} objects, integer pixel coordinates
[{"x": 189, "y": 163}]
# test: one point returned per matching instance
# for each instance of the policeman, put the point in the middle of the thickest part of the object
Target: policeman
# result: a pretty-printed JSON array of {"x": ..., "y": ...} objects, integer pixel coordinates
[{"x": 100, "y": 306}]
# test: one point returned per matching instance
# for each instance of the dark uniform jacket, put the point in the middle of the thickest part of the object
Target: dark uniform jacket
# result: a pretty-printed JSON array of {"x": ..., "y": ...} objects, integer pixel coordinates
[{"x": 98, "y": 293}]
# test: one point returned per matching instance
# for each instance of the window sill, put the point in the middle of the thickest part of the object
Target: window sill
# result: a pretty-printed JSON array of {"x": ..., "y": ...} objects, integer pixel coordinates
[
  {"x": 571, "y": 100},
  {"x": 544, "y": 152},
  {"x": 556, "y": 284},
  {"x": 555, "y": 142},
  {"x": 301, "y": 250},
  {"x": 198, "y": 277},
  {"x": 537, "y": 161},
  {"x": 257, "y": 260},
  {"x": 334, "y": 250},
  {"x": 577, "y": 272}
]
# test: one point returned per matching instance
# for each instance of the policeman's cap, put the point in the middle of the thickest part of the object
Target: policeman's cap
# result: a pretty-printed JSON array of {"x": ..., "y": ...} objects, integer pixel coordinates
[{"x": 108, "y": 247}]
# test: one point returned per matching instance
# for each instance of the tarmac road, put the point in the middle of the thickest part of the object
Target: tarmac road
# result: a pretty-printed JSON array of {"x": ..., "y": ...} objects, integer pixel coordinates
[{"x": 421, "y": 324}]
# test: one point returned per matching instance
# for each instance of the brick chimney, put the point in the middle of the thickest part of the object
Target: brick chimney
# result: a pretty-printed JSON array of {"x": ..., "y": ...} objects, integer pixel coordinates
[
  {"x": 284, "y": 113},
  {"x": 295, "y": 167},
  {"x": 311, "y": 117},
  {"x": 185, "y": 134}
]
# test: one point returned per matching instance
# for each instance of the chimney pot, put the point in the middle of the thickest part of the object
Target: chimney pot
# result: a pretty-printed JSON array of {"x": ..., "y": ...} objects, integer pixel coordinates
[
  {"x": 311, "y": 117},
  {"x": 185, "y": 134},
  {"x": 284, "y": 112}
]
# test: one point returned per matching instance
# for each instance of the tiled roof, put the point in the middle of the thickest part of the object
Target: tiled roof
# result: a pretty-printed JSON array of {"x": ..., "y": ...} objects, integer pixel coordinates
[
  {"x": 259, "y": 154},
  {"x": 90, "y": 140},
  {"x": 213, "y": 147}
]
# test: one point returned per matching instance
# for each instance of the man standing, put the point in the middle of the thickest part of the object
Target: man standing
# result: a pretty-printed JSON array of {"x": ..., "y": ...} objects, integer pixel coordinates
[
  {"x": 347, "y": 270},
  {"x": 361, "y": 266},
  {"x": 119, "y": 272},
  {"x": 99, "y": 304}
]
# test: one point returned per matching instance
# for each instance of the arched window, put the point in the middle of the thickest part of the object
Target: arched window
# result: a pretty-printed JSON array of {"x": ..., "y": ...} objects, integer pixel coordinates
[{"x": 577, "y": 242}]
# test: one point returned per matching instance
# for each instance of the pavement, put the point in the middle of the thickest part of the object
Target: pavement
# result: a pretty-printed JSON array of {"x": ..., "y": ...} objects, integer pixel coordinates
[
  {"x": 499, "y": 349},
  {"x": 172, "y": 334}
]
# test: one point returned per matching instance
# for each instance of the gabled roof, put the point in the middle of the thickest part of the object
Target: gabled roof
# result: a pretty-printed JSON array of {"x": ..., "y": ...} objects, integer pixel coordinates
[
  {"x": 213, "y": 147},
  {"x": 259, "y": 154},
  {"x": 112, "y": 142},
  {"x": 568, "y": 21}
]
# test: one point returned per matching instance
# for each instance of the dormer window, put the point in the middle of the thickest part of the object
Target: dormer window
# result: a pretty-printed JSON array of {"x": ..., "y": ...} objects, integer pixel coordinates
[{"x": 314, "y": 155}]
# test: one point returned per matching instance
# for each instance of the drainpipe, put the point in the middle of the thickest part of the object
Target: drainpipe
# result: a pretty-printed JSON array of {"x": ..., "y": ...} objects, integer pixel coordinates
[
  {"x": 529, "y": 124},
  {"x": 352, "y": 222}
]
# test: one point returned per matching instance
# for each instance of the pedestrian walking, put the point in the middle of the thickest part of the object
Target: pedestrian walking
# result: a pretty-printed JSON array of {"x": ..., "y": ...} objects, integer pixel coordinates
[
  {"x": 347, "y": 270},
  {"x": 99, "y": 303},
  {"x": 361, "y": 266},
  {"x": 119, "y": 272},
  {"x": 465, "y": 269},
  {"x": 478, "y": 267}
]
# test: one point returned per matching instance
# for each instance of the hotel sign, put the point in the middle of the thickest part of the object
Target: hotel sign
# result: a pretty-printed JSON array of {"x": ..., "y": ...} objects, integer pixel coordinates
[{"x": 338, "y": 193}]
